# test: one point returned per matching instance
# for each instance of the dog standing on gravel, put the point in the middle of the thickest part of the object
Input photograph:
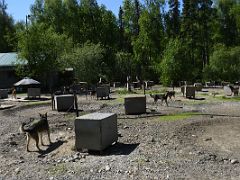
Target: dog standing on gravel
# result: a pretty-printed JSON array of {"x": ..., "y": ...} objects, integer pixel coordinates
[
  {"x": 162, "y": 97},
  {"x": 171, "y": 94},
  {"x": 35, "y": 129}
]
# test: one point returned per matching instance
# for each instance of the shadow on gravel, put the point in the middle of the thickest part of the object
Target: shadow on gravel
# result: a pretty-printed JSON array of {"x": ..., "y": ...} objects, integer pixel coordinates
[
  {"x": 180, "y": 107},
  {"x": 108, "y": 99},
  {"x": 148, "y": 115},
  {"x": 117, "y": 149},
  {"x": 51, "y": 148},
  {"x": 37, "y": 99},
  {"x": 198, "y": 98}
]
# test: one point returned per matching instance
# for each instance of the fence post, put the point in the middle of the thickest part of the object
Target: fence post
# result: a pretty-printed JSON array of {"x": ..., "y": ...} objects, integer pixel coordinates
[{"x": 76, "y": 103}]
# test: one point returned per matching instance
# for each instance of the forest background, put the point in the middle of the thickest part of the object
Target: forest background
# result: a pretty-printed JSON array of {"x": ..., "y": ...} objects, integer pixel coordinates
[{"x": 190, "y": 40}]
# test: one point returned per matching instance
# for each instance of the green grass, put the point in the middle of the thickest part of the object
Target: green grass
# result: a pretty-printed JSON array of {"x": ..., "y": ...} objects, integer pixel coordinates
[
  {"x": 160, "y": 91},
  {"x": 38, "y": 103},
  {"x": 58, "y": 169},
  {"x": 21, "y": 94},
  {"x": 124, "y": 91},
  {"x": 224, "y": 98},
  {"x": 176, "y": 117},
  {"x": 119, "y": 100}
]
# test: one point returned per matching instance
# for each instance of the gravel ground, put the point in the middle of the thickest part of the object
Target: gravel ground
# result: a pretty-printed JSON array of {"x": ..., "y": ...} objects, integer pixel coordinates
[{"x": 202, "y": 145}]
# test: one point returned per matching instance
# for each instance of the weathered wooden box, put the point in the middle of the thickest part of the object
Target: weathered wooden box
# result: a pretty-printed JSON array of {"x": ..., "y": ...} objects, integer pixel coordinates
[
  {"x": 96, "y": 131},
  {"x": 64, "y": 102},
  {"x": 103, "y": 92},
  {"x": 188, "y": 91},
  {"x": 3, "y": 93},
  {"x": 34, "y": 92},
  {"x": 135, "y": 105}
]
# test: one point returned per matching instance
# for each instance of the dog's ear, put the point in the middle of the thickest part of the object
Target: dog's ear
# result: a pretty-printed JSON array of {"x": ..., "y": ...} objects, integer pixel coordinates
[
  {"x": 41, "y": 115},
  {"x": 46, "y": 114}
]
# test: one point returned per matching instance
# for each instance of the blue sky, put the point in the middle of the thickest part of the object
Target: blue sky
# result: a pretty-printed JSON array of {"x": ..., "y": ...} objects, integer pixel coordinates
[{"x": 20, "y": 8}]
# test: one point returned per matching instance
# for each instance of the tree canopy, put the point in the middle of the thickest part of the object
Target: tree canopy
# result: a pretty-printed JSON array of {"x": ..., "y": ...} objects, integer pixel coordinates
[{"x": 164, "y": 41}]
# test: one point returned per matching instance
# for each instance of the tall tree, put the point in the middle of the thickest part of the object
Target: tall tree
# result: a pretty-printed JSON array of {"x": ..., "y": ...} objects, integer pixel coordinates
[
  {"x": 108, "y": 28},
  {"x": 89, "y": 3},
  {"x": 190, "y": 36},
  {"x": 206, "y": 22},
  {"x": 174, "y": 18},
  {"x": 148, "y": 46},
  {"x": 121, "y": 28},
  {"x": 42, "y": 49},
  {"x": 228, "y": 24},
  {"x": 136, "y": 18},
  {"x": 128, "y": 14},
  {"x": 55, "y": 14},
  {"x": 72, "y": 22},
  {"x": 37, "y": 11},
  {"x": 91, "y": 20},
  {"x": 128, "y": 11},
  {"x": 86, "y": 61},
  {"x": 7, "y": 30}
]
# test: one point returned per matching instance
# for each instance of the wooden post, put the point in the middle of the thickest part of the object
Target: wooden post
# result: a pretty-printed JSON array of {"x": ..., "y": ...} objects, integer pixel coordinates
[
  {"x": 128, "y": 84},
  {"x": 52, "y": 102},
  {"x": 144, "y": 88},
  {"x": 76, "y": 103}
]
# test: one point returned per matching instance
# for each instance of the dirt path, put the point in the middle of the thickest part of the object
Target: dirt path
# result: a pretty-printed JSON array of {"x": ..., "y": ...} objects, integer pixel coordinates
[{"x": 196, "y": 147}]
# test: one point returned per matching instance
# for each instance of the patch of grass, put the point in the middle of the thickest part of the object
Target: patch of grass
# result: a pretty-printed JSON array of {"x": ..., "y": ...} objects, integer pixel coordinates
[
  {"x": 119, "y": 100},
  {"x": 176, "y": 117},
  {"x": 124, "y": 91},
  {"x": 141, "y": 161},
  {"x": 203, "y": 94},
  {"x": 224, "y": 98},
  {"x": 38, "y": 103},
  {"x": 58, "y": 169},
  {"x": 186, "y": 101},
  {"x": 22, "y": 94},
  {"x": 160, "y": 91},
  {"x": 72, "y": 116}
]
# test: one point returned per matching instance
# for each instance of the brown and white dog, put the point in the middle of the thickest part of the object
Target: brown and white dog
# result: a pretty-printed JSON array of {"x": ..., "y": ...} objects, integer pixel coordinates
[{"x": 34, "y": 130}]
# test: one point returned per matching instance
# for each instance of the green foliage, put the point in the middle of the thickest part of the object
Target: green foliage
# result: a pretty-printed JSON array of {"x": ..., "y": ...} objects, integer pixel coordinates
[
  {"x": 235, "y": 98},
  {"x": 228, "y": 32},
  {"x": 59, "y": 169},
  {"x": 145, "y": 41},
  {"x": 124, "y": 91},
  {"x": 160, "y": 91},
  {"x": 172, "y": 65},
  {"x": 41, "y": 47},
  {"x": 176, "y": 117},
  {"x": 7, "y": 30},
  {"x": 124, "y": 66},
  {"x": 173, "y": 24},
  {"x": 54, "y": 14},
  {"x": 236, "y": 13},
  {"x": 224, "y": 64},
  {"x": 149, "y": 44},
  {"x": 87, "y": 61}
]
